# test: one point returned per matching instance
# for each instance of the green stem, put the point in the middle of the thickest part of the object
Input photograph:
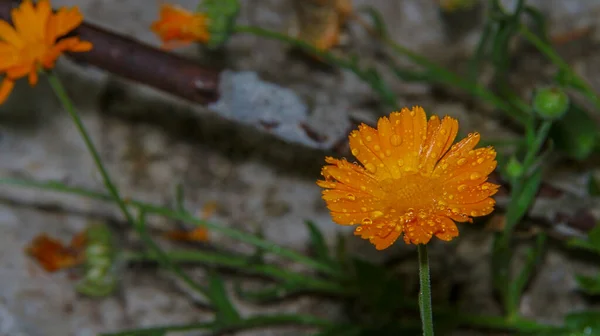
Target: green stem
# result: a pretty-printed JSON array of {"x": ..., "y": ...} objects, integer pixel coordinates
[
  {"x": 249, "y": 323},
  {"x": 370, "y": 77},
  {"x": 243, "y": 263},
  {"x": 62, "y": 95},
  {"x": 166, "y": 212},
  {"x": 561, "y": 64},
  {"x": 537, "y": 144},
  {"x": 425, "y": 292},
  {"x": 450, "y": 78}
]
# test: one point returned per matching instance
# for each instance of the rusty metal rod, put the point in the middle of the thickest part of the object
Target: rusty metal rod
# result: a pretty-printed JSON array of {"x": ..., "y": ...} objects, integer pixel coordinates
[{"x": 141, "y": 63}]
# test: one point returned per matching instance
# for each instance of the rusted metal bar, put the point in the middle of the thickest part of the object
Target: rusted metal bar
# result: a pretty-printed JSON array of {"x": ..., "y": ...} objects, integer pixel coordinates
[{"x": 141, "y": 63}]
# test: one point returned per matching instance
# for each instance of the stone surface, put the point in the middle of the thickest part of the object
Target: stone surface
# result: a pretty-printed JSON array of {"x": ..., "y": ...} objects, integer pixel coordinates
[{"x": 150, "y": 142}]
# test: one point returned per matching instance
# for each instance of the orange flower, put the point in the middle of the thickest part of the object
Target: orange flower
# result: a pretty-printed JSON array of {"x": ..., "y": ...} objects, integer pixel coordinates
[
  {"x": 198, "y": 234},
  {"x": 180, "y": 26},
  {"x": 32, "y": 42},
  {"x": 52, "y": 255},
  {"x": 413, "y": 180},
  {"x": 321, "y": 21}
]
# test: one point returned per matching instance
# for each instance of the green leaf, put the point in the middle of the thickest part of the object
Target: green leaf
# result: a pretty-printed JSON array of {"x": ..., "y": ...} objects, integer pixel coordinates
[
  {"x": 379, "y": 289},
  {"x": 317, "y": 243},
  {"x": 180, "y": 198},
  {"x": 539, "y": 21},
  {"x": 576, "y": 133},
  {"x": 593, "y": 187},
  {"x": 594, "y": 236},
  {"x": 520, "y": 203},
  {"x": 533, "y": 257},
  {"x": 222, "y": 15},
  {"x": 377, "y": 18},
  {"x": 261, "y": 296},
  {"x": 585, "y": 321},
  {"x": 591, "y": 243},
  {"x": 225, "y": 311},
  {"x": 590, "y": 285}
]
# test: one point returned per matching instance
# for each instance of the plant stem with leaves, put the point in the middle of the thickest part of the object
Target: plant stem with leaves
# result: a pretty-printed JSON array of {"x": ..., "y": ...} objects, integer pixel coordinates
[{"x": 62, "y": 95}]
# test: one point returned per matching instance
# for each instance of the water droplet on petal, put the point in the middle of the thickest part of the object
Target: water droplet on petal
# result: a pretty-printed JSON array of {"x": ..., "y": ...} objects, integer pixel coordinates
[
  {"x": 400, "y": 162},
  {"x": 369, "y": 138},
  {"x": 388, "y": 152},
  {"x": 367, "y": 221},
  {"x": 412, "y": 113},
  {"x": 480, "y": 160},
  {"x": 396, "y": 140},
  {"x": 376, "y": 214},
  {"x": 363, "y": 209},
  {"x": 351, "y": 197},
  {"x": 475, "y": 176},
  {"x": 355, "y": 152},
  {"x": 474, "y": 213},
  {"x": 377, "y": 148},
  {"x": 371, "y": 167},
  {"x": 443, "y": 132},
  {"x": 461, "y": 161},
  {"x": 358, "y": 229},
  {"x": 462, "y": 187}
]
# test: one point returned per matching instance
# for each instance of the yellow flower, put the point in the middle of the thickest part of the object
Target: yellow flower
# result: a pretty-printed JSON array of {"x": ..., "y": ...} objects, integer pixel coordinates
[
  {"x": 412, "y": 180},
  {"x": 32, "y": 42},
  {"x": 177, "y": 26}
]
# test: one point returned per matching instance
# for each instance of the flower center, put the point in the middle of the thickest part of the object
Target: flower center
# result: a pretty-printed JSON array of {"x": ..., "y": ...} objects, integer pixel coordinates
[{"x": 411, "y": 192}]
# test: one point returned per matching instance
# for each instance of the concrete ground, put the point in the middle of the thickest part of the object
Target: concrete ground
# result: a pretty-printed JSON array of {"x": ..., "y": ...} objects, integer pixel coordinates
[{"x": 256, "y": 180}]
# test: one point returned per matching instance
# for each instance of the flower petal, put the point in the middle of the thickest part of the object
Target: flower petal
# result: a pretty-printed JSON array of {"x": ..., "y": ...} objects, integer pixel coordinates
[
  {"x": 447, "y": 229},
  {"x": 365, "y": 146},
  {"x": 61, "y": 23},
  {"x": 410, "y": 128},
  {"x": 419, "y": 231},
  {"x": 439, "y": 140},
  {"x": 9, "y": 35},
  {"x": 382, "y": 237}
]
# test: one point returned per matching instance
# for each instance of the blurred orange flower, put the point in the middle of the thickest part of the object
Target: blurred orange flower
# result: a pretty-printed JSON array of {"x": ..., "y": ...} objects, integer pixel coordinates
[
  {"x": 178, "y": 27},
  {"x": 412, "y": 180},
  {"x": 320, "y": 21},
  {"x": 32, "y": 43},
  {"x": 52, "y": 255},
  {"x": 198, "y": 234}
]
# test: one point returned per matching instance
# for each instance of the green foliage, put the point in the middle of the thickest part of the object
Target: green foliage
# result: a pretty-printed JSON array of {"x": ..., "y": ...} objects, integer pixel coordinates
[
  {"x": 375, "y": 297},
  {"x": 225, "y": 312},
  {"x": 586, "y": 323},
  {"x": 101, "y": 277},
  {"x": 222, "y": 15},
  {"x": 577, "y": 133}
]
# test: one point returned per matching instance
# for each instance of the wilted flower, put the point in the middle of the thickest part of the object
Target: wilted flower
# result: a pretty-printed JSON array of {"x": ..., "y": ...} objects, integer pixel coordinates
[
  {"x": 412, "y": 180},
  {"x": 197, "y": 234},
  {"x": 33, "y": 42},
  {"x": 178, "y": 27},
  {"x": 320, "y": 21},
  {"x": 53, "y": 255}
]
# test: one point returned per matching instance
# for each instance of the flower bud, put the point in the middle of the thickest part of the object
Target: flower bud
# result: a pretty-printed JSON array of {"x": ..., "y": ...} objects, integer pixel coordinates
[{"x": 550, "y": 103}]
